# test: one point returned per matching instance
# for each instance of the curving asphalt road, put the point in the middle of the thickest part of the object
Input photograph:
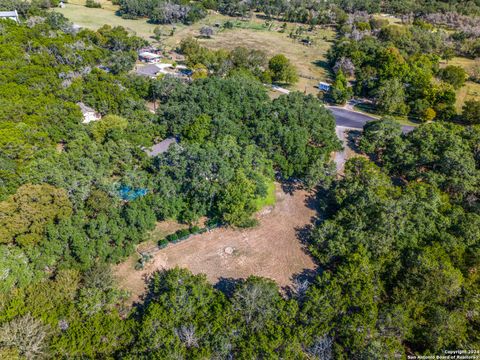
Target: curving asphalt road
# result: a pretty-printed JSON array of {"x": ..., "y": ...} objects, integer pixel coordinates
[
  {"x": 344, "y": 117},
  {"x": 355, "y": 120}
]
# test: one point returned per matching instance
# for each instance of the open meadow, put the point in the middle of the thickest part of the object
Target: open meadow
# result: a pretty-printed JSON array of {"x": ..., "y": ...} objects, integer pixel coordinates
[
  {"x": 272, "y": 249},
  {"x": 254, "y": 33},
  {"x": 471, "y": 90}
]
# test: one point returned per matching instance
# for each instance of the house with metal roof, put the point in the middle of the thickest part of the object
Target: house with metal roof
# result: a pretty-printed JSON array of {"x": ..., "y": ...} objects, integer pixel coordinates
[
  {"x": 12, "y": 15},
  {"x": 149, "y": 57}
]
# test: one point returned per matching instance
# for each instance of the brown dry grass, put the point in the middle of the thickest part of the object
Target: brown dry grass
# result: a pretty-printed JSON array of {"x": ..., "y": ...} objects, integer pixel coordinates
[
  {"x": 471, "y": 90},
  {"x": 252, "y": 33},
  {"x": 308, "y": 60},
  {"x": 272, "y": 249}
]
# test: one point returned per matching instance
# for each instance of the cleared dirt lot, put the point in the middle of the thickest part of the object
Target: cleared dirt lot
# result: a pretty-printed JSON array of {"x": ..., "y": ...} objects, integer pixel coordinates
[{"x": 272, "y": 249}]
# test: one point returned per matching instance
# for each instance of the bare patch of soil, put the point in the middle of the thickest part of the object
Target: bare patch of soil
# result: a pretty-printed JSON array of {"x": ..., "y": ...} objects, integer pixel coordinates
[{"x": 272, "y": 249}]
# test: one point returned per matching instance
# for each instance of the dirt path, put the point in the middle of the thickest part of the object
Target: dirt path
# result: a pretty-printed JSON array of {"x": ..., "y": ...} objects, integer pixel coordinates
[{"x": 272, "y": 249}]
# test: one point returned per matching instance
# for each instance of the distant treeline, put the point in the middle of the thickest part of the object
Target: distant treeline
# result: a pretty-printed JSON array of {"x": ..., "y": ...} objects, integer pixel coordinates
[{"x": 304, "y": 11}]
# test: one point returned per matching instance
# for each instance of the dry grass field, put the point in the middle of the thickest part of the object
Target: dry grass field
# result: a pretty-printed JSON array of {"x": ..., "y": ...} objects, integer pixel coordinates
[
  {"x": 471, "y": 90},
  {"x": 254, "y": 33},
  {"x": 272, "y": 249}
]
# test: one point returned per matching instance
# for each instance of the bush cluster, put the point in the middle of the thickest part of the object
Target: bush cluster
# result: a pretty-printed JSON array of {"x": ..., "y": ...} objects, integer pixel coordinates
[{"x": 184, "y": 234}]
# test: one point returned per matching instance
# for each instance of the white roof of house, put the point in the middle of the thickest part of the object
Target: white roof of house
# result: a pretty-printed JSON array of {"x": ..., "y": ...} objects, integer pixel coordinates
[
  {"x": 153, "y": 69},
  {"x": 148, "y": 54},
  {"x": 84, "y": 108},
  {"x": 9, "y": 15}
]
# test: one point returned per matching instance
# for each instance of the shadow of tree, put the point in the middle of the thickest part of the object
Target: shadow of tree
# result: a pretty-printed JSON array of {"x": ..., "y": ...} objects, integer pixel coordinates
[
  {"x": 353, "y": 139},
  {"x": 300, "y": 283},
  {"x": 325, "y": 66},
  {"x": 289, "y": 186},
  {"x": 228, "y": 285}
]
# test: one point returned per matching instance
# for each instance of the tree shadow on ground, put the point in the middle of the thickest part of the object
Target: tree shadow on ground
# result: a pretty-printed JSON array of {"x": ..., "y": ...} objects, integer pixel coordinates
[
  {"x": 353, "y": 139},
  {"x": 325, "y": 66},
  {"x": 321, "y": 201},
  {"x": 311, "y": 201},
  {"x": 289, "y": 186},
  {"x": 228, "y": 285},
  {"x": 300, "y": 283}
]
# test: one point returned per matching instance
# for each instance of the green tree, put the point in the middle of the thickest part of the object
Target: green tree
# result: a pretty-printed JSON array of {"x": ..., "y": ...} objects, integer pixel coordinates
[
  {"x": 108, "y": 126},
  {"x": 378, "y": 135},
  {"x": 390, "y": 97},
  {"x": 199, "y": 130},
  {"x": 340, "y": 91},
  {"x": 454, "y": 75},
  {"x": 236, "y": 205},
  {"x": 471, "y": 112},
  {"x": 25, "y": 215},
  {"x": 282, "y": 69}
]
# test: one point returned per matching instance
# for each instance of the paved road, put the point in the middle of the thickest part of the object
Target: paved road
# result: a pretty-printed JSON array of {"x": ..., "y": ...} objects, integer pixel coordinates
[
  {"x": 356, "y": 120},
  {"x": 344, "y": 117}
]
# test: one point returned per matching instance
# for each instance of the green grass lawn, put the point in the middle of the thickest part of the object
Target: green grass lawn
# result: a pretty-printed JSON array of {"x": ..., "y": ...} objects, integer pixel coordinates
[
  {"x": 95, "y": 18},
  {"x": 370, "y": 110},
  {"x": 268, "y": 200}
]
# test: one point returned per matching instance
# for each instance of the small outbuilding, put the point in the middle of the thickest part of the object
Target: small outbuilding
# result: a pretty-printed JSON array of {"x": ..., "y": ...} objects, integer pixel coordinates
[
  {"x": 149, "y": 57},
  {"x": 323, "y": 86},
  {"x": 88, "y": 113},
  {"x": 306, "y": 42},
  {"x": 12, "y": 15}
]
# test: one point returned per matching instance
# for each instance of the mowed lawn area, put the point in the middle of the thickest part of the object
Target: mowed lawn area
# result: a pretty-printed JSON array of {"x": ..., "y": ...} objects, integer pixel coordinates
[{"x": 254, "y": 33}]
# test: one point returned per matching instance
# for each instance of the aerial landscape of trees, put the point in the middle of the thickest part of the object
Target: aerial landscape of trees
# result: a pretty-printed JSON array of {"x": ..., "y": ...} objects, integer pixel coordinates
[{"x": 396, "y": 239}]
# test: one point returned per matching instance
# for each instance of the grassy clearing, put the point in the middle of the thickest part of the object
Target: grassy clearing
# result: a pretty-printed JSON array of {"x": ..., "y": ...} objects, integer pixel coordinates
[
  {"x": 96, "y": 18},
  {"x": 254, "y": 33},
  {"x": 465, "y": 63},
  {"x": 392, "y": 20},
  {"x": 471, "y": 90},
  {"x": 271, "y": 249},
  {"x": 268, "y": 200}
]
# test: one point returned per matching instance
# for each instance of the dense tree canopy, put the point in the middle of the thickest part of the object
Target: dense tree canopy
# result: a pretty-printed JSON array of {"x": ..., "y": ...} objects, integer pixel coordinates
[
  {"x": 396, "y": 66},
  {"x": 60, "y": 199},
  {"x": 397, "y": 242}
]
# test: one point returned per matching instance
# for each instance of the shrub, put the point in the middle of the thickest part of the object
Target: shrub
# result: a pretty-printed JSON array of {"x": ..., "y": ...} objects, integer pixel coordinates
[
  {"x": 163, "y": 243},
  {"x": 183, "y": 234},
  {"x": 194, "y": 229},
  {"x": 172, "y": 237},
  {"x": 92, "y": 4}
]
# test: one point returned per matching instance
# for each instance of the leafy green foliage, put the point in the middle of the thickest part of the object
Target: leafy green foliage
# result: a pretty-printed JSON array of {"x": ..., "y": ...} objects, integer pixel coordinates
[
  {"x": 454, "y": 75},
  {"x": 471, "y": 112},
  {"x": 397, "y": 246},
  {"x": 282, "y": 70},
  {"x": 396, "y": 266},
  {"x": 396, "y": 66},
  {"x": 340, "y": 91}
]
